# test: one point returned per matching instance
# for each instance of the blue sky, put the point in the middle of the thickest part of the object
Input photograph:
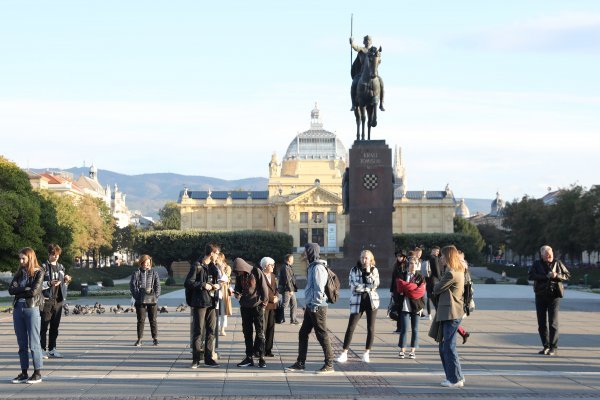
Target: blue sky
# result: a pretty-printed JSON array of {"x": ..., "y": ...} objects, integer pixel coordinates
[{"x": 484, "y": 96}]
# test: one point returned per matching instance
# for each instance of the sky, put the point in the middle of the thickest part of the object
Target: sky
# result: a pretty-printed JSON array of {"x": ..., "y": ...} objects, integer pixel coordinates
[{"x": 485, "y": 96}]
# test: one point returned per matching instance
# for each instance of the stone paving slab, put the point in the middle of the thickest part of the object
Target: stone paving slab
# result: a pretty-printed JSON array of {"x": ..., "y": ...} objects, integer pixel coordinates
[{"x": 499, "y": 360}]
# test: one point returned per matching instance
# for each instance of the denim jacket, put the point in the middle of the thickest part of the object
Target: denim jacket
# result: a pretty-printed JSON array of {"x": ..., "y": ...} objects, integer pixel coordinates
[{"x": 314, "y": 293}]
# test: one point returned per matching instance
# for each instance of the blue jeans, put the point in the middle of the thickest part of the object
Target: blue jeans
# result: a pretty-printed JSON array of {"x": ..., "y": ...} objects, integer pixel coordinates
[
  {"x": 27, "y": 323},
  {"x": 405, "y": 318},
  {"x": 448, "y": 354}
]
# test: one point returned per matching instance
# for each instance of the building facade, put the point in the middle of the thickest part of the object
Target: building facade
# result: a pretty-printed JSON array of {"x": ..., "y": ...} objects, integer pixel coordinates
[{"x": 304, "y": 197}]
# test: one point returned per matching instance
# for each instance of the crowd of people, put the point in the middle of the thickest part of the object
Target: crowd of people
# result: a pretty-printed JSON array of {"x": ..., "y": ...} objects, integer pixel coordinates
[{"x": 435, "y": 289}]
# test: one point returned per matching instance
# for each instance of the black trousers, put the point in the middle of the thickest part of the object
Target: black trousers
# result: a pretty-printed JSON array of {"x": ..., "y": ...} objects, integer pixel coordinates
[
  {"x": 318, "y": 321},
  {"x": 204, "y": 321},
  {"x": 547, "y": 314},
  {"x": 53, "y": 323},
  {"x": 141, "y": 310},
  {"x": 253, "y": 322},
  {"x": 353, "y": 321},
  {"x": 269, "y": 330}
]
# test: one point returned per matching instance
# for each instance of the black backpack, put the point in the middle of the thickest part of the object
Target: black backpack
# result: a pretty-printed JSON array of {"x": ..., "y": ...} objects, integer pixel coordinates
[{"x": 332, "y": 287}]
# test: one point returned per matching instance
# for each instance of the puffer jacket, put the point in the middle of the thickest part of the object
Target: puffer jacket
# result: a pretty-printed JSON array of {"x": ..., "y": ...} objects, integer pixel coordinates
[{"x": 33, "y": 297}]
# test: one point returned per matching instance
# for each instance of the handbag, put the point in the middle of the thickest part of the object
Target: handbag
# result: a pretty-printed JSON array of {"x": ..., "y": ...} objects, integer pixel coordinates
[
  {"x": 393, "y": 310},
  {"x": 435, "y": 331},
  {"x": 280, "y": 314}
]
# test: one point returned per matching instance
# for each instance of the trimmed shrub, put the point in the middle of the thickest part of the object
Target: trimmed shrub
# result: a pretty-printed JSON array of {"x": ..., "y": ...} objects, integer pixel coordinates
[
  {"x": 522, "y": 281},
  {"x": 75, "y": 285},
  {"x": 108, "y": 282},
  {"x": 490, "y": 281},
  {"x": 92, "y": 283},
  {"x": 595, "y": 285},
  {"x": 170, "y": 281}
]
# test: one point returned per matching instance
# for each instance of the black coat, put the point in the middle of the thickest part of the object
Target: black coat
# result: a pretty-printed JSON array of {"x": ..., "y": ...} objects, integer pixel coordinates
[
  {"x": 195, "y": 293},
  {"x": 538, "y": 273}
]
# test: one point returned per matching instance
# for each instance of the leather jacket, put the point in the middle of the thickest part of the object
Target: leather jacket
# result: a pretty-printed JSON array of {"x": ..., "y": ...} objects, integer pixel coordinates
[{"x": 32, "y": 292}]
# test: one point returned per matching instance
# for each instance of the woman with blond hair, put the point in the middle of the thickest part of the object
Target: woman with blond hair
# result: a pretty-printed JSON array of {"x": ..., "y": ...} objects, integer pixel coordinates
[
  {"x": 145, "y": 289},
  {"x": 225, "y": 293},
  {"x": 364, "y": 280},
  {"x": 449, "y": 292},
  {"x": 26, "y": 286}
]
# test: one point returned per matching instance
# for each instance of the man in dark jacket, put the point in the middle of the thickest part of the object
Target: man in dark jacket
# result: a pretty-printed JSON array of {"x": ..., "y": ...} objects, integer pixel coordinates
[
  {"x": 252, "y": 292},
  {"x": 54, "y": 289},
  {"x": 547, "y": 275},
  {"x": 201, "y": 285},
  {"x": 433, "y": 273},
  {"x": 288, "y": 287}
]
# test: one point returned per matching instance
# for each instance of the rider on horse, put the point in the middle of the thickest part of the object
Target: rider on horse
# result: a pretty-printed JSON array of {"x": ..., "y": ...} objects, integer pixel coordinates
[{"x": 357, "y": 67}]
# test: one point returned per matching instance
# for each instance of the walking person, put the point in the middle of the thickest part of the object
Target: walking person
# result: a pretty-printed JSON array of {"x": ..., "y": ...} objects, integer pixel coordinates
[
  {"x": 410, "y": 295},
  {"x": 144, "y": 286},
  {"x": 54, "y": 290},
  {"x": 252, "y": 292},
  {"x": 225, "y": 309},
  {"x": 548, "y": 275},
  {"x": 449, "y": 292},
  {"x": 26, "y": 286},
  {"x": 201, "y": 285},
  {"x": 268, "y": 265},
  {"x": 315, "y": 311},
  {"x": 364, "y": 281},
  {"x": 288, "y": 287}
]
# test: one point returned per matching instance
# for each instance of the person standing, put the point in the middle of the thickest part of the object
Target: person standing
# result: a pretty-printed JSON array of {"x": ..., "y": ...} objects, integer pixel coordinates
[
  {"x": 548, "y": 275},
  {"x": 225, "y": 293},
  {"x": 364, "y": 281},
  {"x": 144, "y": 286},
  {"x": 201, "y": 284},
  {"x": 411, "y": 291},
  {"x": 288, "y": 287},
  {"x": 268, "y": 265},
  {"x": 315, "y": 312},
  {"x": 252, "y": 292},
  {"x": 433, "y": 273},
  {"x": 54, "y": 290},
  {"x": 449, "y": 291},
  {"x": 26, "y": 286},
  {"x": 399, "y": 268}
]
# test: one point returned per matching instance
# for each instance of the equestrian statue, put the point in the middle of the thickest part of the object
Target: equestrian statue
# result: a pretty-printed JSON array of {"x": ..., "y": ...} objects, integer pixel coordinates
[{"x": 367, "y": 87}]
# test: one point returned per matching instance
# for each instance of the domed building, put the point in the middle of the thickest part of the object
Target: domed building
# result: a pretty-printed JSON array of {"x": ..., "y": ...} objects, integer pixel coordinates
[{"x": 304, "y": 197}]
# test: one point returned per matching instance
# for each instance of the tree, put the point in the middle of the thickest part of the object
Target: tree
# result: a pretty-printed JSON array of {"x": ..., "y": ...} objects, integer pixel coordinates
[
  {"x": 463, "y": 226},
  {"x": 493, "y": 236},
  {"x": 19, "y": 215},
  {"x": 526, "y": 220},
  {"x": 170, "y": 216},
  {"x": 99, "y": 226},
  {"x": 561, "y": 225}
]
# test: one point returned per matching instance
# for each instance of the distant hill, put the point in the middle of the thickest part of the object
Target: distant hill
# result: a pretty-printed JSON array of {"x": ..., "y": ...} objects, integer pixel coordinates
[{"x": 149, "y": 192}]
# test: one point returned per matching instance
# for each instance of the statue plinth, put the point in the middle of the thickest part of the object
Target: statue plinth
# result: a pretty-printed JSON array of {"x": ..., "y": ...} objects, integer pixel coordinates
[{"x": 370, "y": 199}]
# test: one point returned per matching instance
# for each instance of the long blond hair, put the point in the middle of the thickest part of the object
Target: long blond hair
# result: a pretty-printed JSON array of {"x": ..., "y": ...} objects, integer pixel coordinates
[
  {"x": 453, "y": 262},
  {"x": 32, "y": 262}
]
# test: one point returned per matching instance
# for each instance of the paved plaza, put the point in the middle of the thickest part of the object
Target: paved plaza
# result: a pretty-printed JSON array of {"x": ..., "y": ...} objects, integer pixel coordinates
[{"x": 499, "y": 360}]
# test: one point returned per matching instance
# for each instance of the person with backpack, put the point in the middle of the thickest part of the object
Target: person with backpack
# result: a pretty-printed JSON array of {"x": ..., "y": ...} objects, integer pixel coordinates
[
  {"x": 315, "y": 311},
  {"x": 364, "y": 281},
  {"x": 201, "y": 288},
  {"x": 253, "y": 294}
]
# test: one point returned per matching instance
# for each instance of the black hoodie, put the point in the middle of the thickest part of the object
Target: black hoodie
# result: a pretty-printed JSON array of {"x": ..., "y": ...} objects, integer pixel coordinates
[
  {"x": 312, "y": 252},
  {"x": 250, "y": 283}
]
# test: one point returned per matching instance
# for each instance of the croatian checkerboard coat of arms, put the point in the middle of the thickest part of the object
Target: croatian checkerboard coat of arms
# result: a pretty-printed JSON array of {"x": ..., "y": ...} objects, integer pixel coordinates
[{"x": 370, "y": 181}]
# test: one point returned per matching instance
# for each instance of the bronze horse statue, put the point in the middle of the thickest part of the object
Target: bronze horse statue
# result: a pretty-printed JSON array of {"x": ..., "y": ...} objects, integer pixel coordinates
[{"x": 368, "y": 94}]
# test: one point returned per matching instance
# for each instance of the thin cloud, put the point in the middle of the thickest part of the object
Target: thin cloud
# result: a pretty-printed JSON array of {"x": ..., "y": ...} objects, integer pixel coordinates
[{"x": 563, "y": 33}]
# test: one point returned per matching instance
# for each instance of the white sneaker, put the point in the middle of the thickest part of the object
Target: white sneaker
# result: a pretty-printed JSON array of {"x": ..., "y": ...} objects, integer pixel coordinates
[
  {"x": 45, "y": 355},
  {"x": 448, "y": 384},
  {"x": 401, "y": 355},
  {"x": 366, "y": 358},
  {"x": 412, "y": 355},
  {"x": 343, "y": 357},
  {"x": 54, "y": 354}
]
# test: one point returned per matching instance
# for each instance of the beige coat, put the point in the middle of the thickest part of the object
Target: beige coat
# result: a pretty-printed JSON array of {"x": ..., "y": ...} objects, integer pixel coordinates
[
  {"x": 226, "y": 271},
  {"x": 450, "y": 291}
]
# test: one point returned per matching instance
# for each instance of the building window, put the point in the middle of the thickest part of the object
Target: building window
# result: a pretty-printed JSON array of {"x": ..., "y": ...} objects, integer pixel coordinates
[
  {"x": 331, "y": 218},
  {"x": 303, "y": 236},
  {"x": 318, "y": 236},
  {"x": 317, "y": 217},
  {"x": 304, "y": 218}
]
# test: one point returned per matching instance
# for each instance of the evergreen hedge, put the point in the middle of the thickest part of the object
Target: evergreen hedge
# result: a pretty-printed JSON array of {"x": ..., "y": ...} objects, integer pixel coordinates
[{"x": 175, "y": 245}]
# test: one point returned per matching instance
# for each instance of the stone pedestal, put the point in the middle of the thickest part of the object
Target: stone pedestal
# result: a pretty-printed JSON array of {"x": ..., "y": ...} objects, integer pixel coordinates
[{"x": 370, "y": 199}]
